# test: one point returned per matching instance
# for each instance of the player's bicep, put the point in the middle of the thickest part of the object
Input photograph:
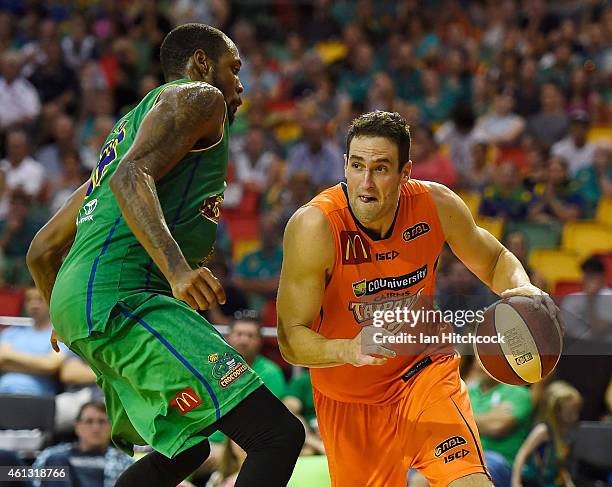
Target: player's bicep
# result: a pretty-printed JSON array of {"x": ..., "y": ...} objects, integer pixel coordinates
[
  {"x": 307, "y": 254},
  {"x": 173, "y": 126},
  {"x": 300, "y": 292},
  {"x": 473, "y": 245}
]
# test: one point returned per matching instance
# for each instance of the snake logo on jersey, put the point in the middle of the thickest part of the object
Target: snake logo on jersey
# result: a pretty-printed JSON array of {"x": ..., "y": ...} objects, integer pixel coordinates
[
  {"x": 228, "y": 368},
  {"x": 107, "y": 155},
  {"x": 211, "y": 208}
]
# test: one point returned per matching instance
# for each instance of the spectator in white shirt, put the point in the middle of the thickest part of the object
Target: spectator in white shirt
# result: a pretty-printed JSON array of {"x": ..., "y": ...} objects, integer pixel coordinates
[
  {"x": 501, "y": 126},
  {"x": 587, "y": 314},
  {"x": 64, "y": 144},
  {"x": 18, "y": 97},
  {"x": 574, "y": 148},
  {"x": 253, "y": 160},
  {"x": 458, "y": 134},
  {"x": 21, "y": 170},
  {"x": 317, "y": 155}
]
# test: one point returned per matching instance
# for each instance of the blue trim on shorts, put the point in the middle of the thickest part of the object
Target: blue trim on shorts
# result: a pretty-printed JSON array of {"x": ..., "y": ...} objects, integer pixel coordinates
[
  {"x": 94, "y": 268},
  {"x": 182, "y": 359},
  {"x": 176, "y": 217}
]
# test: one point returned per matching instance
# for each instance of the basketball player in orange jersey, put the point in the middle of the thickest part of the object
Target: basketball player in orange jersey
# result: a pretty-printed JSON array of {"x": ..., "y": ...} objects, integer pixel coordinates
[{"x": 373, "y": 244}]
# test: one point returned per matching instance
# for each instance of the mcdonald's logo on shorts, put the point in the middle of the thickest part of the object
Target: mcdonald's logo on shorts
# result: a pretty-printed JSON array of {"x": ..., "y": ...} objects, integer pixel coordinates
[
  {"x": 355, "y": 248},
  {"x": 185, "y": 400}
]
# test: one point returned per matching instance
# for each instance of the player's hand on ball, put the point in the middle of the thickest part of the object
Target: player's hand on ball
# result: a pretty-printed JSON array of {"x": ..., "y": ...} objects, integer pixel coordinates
[
  {"x": 540, "y": 298},
  {"x": 198, "y": 288},
  {"x": 363, "y": 347}
]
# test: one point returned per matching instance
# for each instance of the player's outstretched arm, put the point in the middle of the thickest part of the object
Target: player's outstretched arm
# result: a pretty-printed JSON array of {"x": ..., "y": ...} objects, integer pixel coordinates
[
  {"x": 44, "y": 256},
  {"x": 184, "y": 115},
  {"x": 482, "y": 253},
  {"x": 308, "y": 258}
]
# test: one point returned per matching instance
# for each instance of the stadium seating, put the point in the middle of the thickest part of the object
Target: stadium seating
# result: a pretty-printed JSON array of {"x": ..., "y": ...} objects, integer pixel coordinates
[
  {"x": 607, "y": 260},
  {"x": 604, "y": 211},
  {"x": 556, "y": 265},
  {"x": 586, "y": 238},
  {"x": 566, "y": 287},
  {"x": 472, "y": 200},
  {"x": 591, "y": 450},
  {"x": 538, "y": 235},
  {"x": 243, "y": 247},
  {"x": 27, "y": 422},
  {"x": 495, "y": 226},
  {"x": 11, "y": 301}
]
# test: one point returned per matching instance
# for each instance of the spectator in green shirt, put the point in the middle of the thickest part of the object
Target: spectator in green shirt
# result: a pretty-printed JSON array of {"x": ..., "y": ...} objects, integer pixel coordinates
[
  {"x": 299, "y": 398},
  {"x": 595, "y": 181},
  {"x": 502, "y": 413},
  {"x": 258, "y": 272},
  {"x": 245, "y": 336}
]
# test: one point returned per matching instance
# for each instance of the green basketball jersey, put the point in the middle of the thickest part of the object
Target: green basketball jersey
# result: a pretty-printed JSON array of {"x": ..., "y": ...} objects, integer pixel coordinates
[{"x": 106, "y": 262}]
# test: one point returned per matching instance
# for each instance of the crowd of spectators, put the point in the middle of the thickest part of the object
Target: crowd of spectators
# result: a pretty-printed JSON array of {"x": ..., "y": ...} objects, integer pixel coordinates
[
  {"x": 504, "y": 99},
  {"x": 500, "y": 98}
]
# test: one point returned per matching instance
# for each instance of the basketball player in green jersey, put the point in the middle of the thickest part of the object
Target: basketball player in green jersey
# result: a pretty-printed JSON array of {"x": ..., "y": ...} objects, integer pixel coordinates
[{"x": 126, "y": 295}]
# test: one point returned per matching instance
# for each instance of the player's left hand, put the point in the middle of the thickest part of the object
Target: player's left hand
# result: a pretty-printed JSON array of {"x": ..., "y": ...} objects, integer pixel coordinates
[
  {"x": 54, "y": 339},
  {"x": 540, "y": 298}
]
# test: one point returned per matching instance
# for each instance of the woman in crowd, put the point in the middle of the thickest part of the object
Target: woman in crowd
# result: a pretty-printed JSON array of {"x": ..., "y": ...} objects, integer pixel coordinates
[{"x": 542, "y": 459}]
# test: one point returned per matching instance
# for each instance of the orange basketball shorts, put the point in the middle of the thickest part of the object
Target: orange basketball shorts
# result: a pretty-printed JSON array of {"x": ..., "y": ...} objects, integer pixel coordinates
[{"x": 431, "y": 428}]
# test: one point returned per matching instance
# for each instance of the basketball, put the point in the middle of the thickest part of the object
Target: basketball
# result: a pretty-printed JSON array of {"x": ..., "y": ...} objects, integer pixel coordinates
[{"x": 529, "y": 346}]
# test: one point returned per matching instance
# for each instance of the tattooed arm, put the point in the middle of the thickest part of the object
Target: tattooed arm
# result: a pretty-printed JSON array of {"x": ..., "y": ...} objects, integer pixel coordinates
[{"x": 184, "y": 115}]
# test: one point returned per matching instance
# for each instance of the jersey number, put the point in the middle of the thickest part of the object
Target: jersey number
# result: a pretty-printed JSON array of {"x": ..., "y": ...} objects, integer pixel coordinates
[{"x": 107, "y": 155}]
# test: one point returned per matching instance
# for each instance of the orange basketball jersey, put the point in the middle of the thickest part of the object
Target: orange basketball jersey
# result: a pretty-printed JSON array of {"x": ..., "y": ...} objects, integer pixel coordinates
[{"x": 377, "y": 274}]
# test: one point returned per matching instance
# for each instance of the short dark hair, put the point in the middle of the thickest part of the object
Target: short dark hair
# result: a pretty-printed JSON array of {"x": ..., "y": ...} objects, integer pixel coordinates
[
  {"x": 246, "y": 316},
  {"x": 182, "y": 41},
  {"x": 99, "y": 405},
  {"x": 593, "y": 265},
  {"x": 390, "y": 125}
]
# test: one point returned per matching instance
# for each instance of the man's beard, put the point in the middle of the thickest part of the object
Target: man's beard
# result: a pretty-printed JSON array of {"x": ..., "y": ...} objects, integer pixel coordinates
[{"x": 215, "y": 83}]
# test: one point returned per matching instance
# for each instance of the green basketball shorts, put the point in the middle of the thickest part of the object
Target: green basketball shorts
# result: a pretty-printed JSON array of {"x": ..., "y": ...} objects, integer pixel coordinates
[{"x": 167, "y": 374}]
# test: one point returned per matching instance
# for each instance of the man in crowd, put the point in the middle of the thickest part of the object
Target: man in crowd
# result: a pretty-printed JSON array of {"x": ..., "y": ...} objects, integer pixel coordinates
[
  {"x": 28, "y": 365},
  {"x": 587, "y": 313},
  {"x": 91, "y": 461}
]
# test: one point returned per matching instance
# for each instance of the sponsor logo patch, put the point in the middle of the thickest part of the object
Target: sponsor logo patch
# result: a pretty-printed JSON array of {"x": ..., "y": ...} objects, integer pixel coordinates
[
  {"x": 449, "y": 444},
  {"x": 211, "y": 210},
  {"x": 86, "y": 213},
  {"x": 387, "y": 255},
  {"x": 355, "y": 248},
  {"x": 363, "y": 311},
  {"x": 415, "y": 231},
  {"x": 458, "y": 454},
  {"x": 367, "y": 287},
  {"x": 185, "y": 401},
  {"x": 228, "y": 368},
  {"x": 523, "y": 358}
]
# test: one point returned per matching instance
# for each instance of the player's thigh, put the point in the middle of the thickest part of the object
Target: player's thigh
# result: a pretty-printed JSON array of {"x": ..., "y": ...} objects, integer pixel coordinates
[
  {"x": 170, "y": 370},
  {"x": 450, "y": 446},
  {"x": 360, "y": 443}
]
